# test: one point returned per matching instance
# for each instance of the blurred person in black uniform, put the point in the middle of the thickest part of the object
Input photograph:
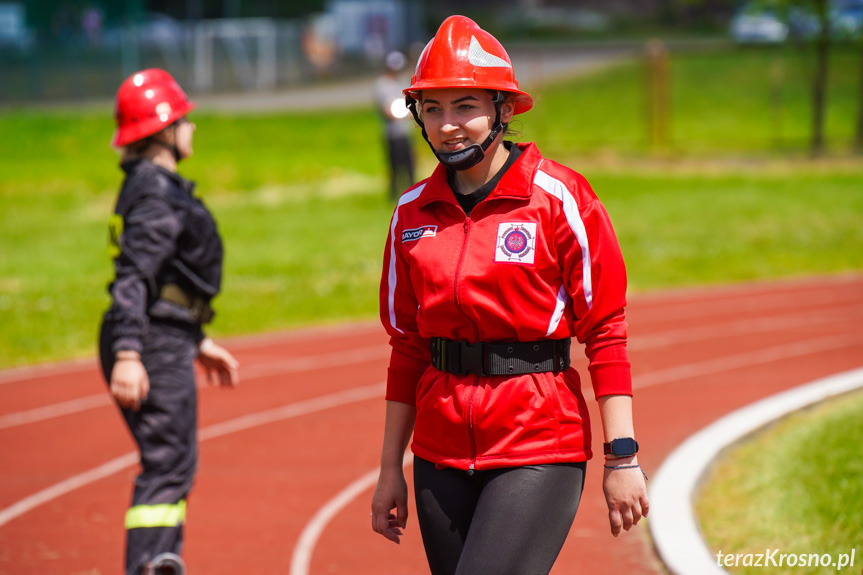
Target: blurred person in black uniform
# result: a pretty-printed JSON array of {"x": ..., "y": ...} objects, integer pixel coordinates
[
  {"x": 397, "y": 123},
  {"x": 168, "y": 262}
]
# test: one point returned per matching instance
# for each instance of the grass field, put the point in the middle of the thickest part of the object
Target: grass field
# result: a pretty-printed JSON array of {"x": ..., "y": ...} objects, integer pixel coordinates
[
  {"x": 300, "y": 198},
  {"x": 753, "y": 102},
  {"x": 743, "y": 512}
]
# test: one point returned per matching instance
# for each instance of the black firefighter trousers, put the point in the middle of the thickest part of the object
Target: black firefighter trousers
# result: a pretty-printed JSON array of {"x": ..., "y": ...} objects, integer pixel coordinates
[{"x": 165, "y": 429}]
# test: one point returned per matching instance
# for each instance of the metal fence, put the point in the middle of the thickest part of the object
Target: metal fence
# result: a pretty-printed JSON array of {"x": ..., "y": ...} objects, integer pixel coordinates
[{"x": 205, "y": 56}]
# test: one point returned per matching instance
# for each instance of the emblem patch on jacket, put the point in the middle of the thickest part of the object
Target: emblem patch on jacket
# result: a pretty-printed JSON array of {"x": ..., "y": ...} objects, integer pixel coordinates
[
  {"x": 516, "y": 242},
  {"x": 417, "y": 233}
]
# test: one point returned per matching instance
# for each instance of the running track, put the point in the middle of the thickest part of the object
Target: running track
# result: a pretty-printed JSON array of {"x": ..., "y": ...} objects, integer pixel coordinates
[{"x": 288, "y": 458}]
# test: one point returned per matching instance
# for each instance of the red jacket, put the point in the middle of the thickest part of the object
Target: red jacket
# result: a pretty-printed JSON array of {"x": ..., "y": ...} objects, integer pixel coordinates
[{"x": 537, "y": 259}]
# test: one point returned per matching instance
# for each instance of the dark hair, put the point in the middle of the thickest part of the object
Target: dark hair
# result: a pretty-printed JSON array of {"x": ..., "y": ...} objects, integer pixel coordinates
[
  {"x": 510, "y": 132},
  {"x": 136, "y": 149}
]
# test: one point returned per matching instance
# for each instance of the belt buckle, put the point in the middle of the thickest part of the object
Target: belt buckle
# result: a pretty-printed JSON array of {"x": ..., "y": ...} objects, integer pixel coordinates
[
  {"x": 439, "y": 356},
  {"x": 472, "y": 358}
]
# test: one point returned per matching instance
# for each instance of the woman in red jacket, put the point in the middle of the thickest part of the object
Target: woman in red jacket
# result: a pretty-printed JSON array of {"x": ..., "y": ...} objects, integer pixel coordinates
[{"x": 491, "y": 266}]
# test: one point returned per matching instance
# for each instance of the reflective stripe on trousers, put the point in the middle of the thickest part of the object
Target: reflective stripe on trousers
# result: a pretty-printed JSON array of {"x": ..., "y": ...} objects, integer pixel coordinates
[{"x": 161, "y": 515}]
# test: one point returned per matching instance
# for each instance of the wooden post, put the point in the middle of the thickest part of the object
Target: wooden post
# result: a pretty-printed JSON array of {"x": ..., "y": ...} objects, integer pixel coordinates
[
  {"x": 658, "y": 94},
  {"x": 777, "y": 104}
]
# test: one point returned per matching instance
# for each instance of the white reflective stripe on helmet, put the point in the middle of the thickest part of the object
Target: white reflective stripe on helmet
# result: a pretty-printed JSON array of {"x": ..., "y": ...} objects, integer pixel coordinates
[{"x": 482, "y": 59}]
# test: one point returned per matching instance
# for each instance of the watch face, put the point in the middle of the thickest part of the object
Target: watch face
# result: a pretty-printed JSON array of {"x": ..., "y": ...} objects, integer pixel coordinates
[{"x": 624, "y": 446}]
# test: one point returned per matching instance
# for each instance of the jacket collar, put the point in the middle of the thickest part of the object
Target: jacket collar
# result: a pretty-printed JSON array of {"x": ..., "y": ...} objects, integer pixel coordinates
[
  {"x": 144, "y": 163},
  {"x": 516, "y": 183}
]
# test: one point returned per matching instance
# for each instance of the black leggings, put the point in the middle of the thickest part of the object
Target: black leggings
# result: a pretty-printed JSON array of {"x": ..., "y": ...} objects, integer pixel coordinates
[{"x": 496, "y": 522}]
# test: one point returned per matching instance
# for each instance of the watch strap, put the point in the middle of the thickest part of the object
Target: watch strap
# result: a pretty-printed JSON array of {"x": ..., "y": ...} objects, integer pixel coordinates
[{"x": 621, "y": 447}]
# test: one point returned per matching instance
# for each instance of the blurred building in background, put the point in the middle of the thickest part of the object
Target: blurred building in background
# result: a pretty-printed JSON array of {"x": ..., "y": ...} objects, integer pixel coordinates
[{"x": 82, "y": 49}]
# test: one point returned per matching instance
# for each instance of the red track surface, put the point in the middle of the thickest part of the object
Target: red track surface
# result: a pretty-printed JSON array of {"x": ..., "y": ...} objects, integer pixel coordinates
[{"x": 696, "y": 356}]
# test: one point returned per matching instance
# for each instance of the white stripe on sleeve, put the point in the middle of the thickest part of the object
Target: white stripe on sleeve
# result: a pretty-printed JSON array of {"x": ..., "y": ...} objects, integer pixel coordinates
[
  {"x": 557, "y": 189},
  {"x": 406, "y": 198},
  {"x": 560, "y": 306}
]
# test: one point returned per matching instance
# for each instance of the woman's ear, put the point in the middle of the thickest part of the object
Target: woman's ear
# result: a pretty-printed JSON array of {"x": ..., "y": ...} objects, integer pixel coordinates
[{"x": 507, "y": 110}]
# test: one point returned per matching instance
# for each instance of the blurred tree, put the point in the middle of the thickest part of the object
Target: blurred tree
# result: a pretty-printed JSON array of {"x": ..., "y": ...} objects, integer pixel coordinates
[
  {"x": 819, "y": 86},
  {"x": 195, "y": 9},
  {"x": 858, "y": 140},
  {"x": 43, "y": 14},
  {"x": 799, "y": 13}
]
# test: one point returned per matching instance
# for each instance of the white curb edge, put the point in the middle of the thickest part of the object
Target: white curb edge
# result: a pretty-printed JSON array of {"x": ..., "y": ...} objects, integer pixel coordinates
[{"x": 675, "y": 532}]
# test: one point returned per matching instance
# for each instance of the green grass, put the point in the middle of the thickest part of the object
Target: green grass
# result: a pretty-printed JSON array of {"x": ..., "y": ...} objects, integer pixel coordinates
[
  {"x": 301, "y": 199},
  {"x": 68, "y": 151},
  {"x": 697, "y": 229},
  {"x": 301, "y": 261},
  {"x": 795, "y": 487},
  {"x": 752, "y": 101}
]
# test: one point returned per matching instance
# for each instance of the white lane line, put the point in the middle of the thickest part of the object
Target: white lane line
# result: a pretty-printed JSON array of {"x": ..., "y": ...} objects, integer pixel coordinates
[
  {"x": 16, "y": 374},
  {"x": 747, "y": 289},
  {"x": 217, "y": 430},
  {"x": 843, "y": 314},
  {"x": 71, "y": 367},
  {"x": 315, "y": 362},
  {"x": 748, "y": 359},
  {"x": 755, "y": 303},
  {"x": 301, "y": 559},
  {"x": 355, "y": 329},
  {"x": 637, "y": 343},
  {"x": 672, "y": 524},
  {"x": 285, "y": 366},
  {"x": 292, "y": 410},
  {"x": 59, "y": 489},
  {"x": 54, "y": 410}
]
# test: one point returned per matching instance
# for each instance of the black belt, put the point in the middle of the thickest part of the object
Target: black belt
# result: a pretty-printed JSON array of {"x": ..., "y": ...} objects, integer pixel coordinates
[
  {"x": 198, "y": 307},
  {"x": 483, "y": 358}
]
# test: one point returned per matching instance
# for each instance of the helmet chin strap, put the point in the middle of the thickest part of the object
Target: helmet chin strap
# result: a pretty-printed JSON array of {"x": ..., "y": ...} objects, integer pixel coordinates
[
  {"x": 471, "y": 155},
  {"x": 170, "y": 146}
]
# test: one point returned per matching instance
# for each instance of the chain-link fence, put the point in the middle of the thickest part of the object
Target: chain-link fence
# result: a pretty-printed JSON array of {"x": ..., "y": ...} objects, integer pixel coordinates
[{"x": 88, "y": 61}]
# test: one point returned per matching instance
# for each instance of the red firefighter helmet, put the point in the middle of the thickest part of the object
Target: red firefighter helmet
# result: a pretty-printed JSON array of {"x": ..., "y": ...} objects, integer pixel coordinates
[
  {"x": 148, "y": 102},
  {"x": 463, "y": 55}
]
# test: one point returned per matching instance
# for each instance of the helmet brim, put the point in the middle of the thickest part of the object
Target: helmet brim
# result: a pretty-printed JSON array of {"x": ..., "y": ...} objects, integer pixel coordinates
[{"x": 522, "y": 100}]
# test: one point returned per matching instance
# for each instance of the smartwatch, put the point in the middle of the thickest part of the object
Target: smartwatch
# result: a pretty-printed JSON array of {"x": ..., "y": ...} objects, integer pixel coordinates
[{"x": 621, "y": 447}]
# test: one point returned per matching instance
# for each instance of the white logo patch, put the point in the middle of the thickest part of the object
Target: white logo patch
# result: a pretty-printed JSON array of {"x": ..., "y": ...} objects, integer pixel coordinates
[
  {"x": 516, "y": 242},
  {"x": 417, "y": 233},
  {"x": 477, "y": 56}
]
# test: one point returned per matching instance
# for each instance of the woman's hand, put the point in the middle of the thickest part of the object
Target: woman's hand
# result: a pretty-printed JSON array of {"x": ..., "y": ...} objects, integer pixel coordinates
[
  {"x": 390, "y": 493},
  {"x": 130, "y": 383},
  {"x": 222, "y": 368},
  {"x": 625, "y": 488},
  {"x": 626, "y": 496},
  {"x": 392, "y": 489}
]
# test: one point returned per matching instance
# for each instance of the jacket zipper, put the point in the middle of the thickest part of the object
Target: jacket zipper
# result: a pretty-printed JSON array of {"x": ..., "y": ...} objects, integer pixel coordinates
[
  {"x": 457, "y": 299},
  {"x": 455, "y": 287},
  {"x": 456, "y": 291},
  {"x": 471, "y": 433}
]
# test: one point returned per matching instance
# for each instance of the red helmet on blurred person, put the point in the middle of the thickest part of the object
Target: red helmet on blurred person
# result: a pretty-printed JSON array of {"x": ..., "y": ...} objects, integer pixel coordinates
[
  {"x": 148, "y": 102},
  {"x": 463, "y": 55}
]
